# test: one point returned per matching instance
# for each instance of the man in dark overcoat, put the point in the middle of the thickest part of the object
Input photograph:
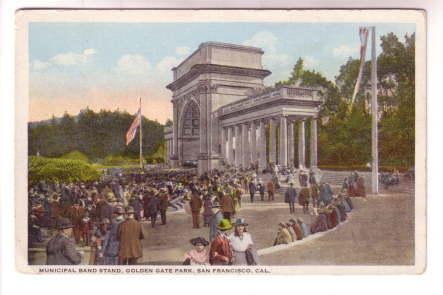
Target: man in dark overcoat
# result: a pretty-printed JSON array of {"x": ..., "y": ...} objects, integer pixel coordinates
[
  {"x": 196, "y": 204},
  {"x": 290, "y": 197},
  {"x": 129, "y": 235},
  {"x": 112, "y": 243},
  {"x": 61, "y": 248}
]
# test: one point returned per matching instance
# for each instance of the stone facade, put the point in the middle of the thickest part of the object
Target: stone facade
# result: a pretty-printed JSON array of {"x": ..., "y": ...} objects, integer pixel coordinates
[{"x": 221, "y": 110}]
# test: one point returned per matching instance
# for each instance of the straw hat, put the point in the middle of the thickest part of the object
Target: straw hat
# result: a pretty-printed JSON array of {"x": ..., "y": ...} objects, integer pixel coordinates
[{"x": 224, "y": 225}]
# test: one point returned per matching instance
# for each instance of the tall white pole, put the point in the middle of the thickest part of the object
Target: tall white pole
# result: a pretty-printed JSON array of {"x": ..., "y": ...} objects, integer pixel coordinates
[
  {"x": 374, "y": 105},
  {"x": 141, "y": 135}
]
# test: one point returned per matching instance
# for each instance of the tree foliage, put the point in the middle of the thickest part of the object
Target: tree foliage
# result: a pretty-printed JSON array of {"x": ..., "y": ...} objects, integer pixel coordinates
[
  {"x": 95, "y": 134},
  {"x": 345, "y": 136}
]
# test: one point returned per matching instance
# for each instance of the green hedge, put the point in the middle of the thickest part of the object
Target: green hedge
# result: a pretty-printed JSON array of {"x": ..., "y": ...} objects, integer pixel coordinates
[
  {"x": 60, "y": 170},
  {"x": 75, "y": 155},
  {"x": 119, "y": 161},
  {"x": 154, "y": 160}
]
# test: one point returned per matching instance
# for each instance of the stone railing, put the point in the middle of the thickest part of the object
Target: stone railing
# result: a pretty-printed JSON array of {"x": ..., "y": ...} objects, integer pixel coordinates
[{"x": 285, "y": 92}]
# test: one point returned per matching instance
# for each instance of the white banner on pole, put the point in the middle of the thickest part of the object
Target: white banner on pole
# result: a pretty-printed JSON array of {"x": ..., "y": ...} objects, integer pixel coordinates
[{"x": 363, "y": 32}]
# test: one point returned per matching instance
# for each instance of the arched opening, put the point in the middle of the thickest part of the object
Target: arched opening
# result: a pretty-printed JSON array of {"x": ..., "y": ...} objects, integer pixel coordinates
[{"x": 190, "y": 133}]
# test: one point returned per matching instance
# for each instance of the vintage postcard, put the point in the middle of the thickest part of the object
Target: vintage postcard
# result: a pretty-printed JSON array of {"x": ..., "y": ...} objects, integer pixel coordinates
[{"x": 221, "y": 141}]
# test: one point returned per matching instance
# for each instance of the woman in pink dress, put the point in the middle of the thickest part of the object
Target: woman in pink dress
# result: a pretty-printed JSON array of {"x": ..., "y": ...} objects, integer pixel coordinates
[{"x": 199, "y": 255}]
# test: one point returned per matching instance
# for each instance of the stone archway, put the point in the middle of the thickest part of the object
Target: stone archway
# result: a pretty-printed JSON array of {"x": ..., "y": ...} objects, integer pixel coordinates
[{"x": 189, "y": 130}]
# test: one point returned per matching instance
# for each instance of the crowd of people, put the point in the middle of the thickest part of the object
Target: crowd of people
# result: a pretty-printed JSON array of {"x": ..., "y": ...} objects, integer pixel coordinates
[
  {"x": 95, "y": 210},
  {"x": 106, "y": 215},
  {"x": 319, "y": 201}
]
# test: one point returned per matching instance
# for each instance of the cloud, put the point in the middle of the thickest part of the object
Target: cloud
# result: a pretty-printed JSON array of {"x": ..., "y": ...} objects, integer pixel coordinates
[
  {"x": 64, "y": 59},
  {"x": 345, "y": 50},
  {"x": 89, "y": 51},
  {"x": 166, "y": 64},
  {"x": 38, "y": 65},
  {"x": 183, "y": 50},
  {"x": 268, "y": 42},
  {"x": 133, "y": 64},
  {"x": 278, "y": 62},
  {"x": 310, "y": 62}
]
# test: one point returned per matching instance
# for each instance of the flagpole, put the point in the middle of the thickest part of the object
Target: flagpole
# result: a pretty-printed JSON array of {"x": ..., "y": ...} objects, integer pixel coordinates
[
  {"x": 374, "y": 105},
  {"x": 141, "y": 135}
]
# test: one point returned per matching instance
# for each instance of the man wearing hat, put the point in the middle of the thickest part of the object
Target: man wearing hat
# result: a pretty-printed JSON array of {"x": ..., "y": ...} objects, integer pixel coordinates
[
  {"x": 164, "y": 203},
  {"x": 61, "y": 248},
  {"x": 196, "y": 204},
  {"x": 153, "y": 207},
  {"x": 99, "y": 239},
  {"x": 221, "y": 251},
  {"x": 129, "y": 234},
  {"x": 112, "y": 242},
  {"x": 76, "y": 213},
  {"x": 290, "y": 197}
]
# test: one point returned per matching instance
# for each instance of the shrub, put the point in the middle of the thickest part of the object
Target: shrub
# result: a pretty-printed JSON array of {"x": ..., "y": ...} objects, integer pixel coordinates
[
  {"x": 118, "y": 160},
  {"x": 76, "y": 155},
  {"x": 60, "y": 170}
]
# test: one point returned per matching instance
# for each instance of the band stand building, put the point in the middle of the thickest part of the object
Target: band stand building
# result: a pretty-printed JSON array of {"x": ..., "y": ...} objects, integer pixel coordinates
[{"x": 222, "y": 111}]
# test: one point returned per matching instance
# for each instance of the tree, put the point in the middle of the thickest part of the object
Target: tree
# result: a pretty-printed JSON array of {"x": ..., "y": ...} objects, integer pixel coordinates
[{"x": 95, "y": 134}]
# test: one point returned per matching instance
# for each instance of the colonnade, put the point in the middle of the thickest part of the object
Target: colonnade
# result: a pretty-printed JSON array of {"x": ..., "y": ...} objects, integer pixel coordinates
[{"x": 244, "y": 144}]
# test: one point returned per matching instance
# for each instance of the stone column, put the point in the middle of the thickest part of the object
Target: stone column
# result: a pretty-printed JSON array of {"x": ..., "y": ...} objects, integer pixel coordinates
[
  {"x": 314, "y": 161},
  {"x": 272, "y": 141},
  {"x": 203, "y": 158},
  {"x": 223, "y": 142},
  {"x": 174, "y": 155},
  {"x": 238, "y": 141},
  {"x": 253, "y": 144},
  {"x": 301, "y": 144},
  {"x": 283, "y": 158},
  {"x": 245, "y": 145},
  {"x": 291, "y": 144},
  {"x": 230, "y": 150},
  {"x": 262, "y": 161}
]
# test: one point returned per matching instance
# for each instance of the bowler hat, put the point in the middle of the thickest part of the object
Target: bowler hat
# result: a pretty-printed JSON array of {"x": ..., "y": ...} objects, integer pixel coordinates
[
  {"x": 240, "y": 221},
  {"x": 224, "y": 224},
  {"x": 130, "y": 210},
  {"x": 199, "y": 240},
  {"x": 64, "y": 223},
  {"x": 119, "y": 210}
]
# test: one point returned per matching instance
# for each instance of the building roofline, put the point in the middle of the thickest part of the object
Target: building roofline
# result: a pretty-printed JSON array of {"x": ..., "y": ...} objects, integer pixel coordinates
[{"x": 222, "y": 45}]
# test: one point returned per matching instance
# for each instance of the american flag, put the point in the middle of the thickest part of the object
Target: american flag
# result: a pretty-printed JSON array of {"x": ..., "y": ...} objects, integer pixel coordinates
[{"x": 132, "y": 131}]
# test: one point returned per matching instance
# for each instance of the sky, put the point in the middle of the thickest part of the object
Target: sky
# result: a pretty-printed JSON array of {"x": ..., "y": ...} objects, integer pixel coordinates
[{"x": 109, "y": 65}]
